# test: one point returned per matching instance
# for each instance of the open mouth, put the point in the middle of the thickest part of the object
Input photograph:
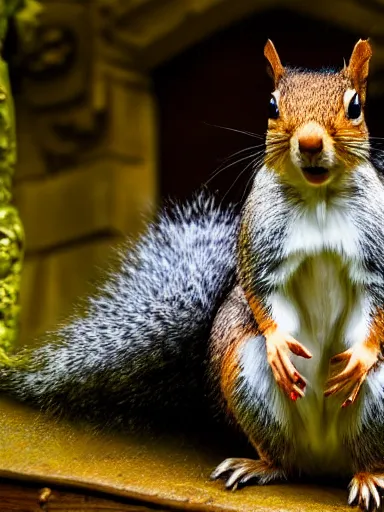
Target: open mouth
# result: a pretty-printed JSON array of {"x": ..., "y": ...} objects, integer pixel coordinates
[{"x": 316, "y": 175}]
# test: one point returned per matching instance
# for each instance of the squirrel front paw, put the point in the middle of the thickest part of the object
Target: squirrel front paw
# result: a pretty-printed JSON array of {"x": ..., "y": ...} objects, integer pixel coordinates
[
  {"x": 363, "y": 491},
  {"x": 279, "y": 345},
  {"x": 241, "y": 471},
  {"x": 360, "y": 360}
]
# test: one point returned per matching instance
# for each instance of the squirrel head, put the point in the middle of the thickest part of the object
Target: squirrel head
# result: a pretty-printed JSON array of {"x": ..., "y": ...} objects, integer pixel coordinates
[{"x": 316, "y": 129}]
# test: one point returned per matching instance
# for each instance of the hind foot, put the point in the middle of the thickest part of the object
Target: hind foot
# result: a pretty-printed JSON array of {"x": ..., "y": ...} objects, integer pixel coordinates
[
  {"x": 239, "y": 472},
  {"x": 364, "y": 491}
]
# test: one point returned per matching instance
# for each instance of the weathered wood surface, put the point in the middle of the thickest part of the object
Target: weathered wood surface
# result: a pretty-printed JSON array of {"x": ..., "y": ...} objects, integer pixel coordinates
[
  {"x": 17, "y": 497},
  {"x": 166, "y": 472}
]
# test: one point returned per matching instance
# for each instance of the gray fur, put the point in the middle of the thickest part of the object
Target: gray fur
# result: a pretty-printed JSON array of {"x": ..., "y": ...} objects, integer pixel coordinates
[{"x": 143, "y": 343}]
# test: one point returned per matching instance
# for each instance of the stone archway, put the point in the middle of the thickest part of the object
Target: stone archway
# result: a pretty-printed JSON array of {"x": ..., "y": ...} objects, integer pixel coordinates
[{"x": 87, "y": 127}]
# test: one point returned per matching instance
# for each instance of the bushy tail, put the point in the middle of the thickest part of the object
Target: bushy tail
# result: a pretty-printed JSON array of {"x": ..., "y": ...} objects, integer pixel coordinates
[{"x": 142, "y": 346}]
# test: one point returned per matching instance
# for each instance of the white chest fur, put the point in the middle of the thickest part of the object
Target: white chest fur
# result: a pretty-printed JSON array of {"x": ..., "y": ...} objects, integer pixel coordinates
[
  {"x": 319, "y": 300},
  {"x": 318, "y": 229}
]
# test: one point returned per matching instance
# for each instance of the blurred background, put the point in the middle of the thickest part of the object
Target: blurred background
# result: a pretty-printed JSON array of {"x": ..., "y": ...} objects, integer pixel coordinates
[{"x": 123, "y": 103}]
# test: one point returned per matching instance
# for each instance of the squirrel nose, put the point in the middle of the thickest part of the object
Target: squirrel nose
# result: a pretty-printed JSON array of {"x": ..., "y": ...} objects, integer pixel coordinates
[{"x": 311, "y": 143}]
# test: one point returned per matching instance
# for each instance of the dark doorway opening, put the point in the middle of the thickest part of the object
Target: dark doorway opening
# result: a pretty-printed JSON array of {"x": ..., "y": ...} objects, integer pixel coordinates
[{"x": 223, "y": 81}]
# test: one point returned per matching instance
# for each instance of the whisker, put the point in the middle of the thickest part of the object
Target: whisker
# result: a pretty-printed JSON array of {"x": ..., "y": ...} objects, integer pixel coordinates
[
  {"x": 354, "y": 149},
  {"x": 236, "y": 180},
  {"x": 352, "y": 146},
  {"x": 244, "y": 132},
  {"x": 221, "y": 169},
  {"x": 242, "y": 151},
  {"x": 276, "y": 146},
  {"x": 277, "y": 136},
  {"x": 253, "y": 165},
  {"x": 256, "y": 169},
  {"x": 276, "y": 149},
  {"x": 347, "y": 141},
  {"x": 246, "y": 186}
]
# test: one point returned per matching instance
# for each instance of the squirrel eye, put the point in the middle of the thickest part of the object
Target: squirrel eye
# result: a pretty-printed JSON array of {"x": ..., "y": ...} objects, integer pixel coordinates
[
  {"x": 354, "y": 107},
  {"x": 273, "y": 108}
]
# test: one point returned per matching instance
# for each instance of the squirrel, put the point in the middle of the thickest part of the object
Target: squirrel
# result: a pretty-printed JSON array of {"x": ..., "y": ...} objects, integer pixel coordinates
[
  {"x": 297, "y": 346},
  {"x": 280, "y": 310}
]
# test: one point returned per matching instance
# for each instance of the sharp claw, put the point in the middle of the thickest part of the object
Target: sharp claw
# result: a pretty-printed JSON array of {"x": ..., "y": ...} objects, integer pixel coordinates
[
  {"x": 354, "y": 489},
  {"x": 246, "y": 478},
  {"x": 221, "y": 469},
  {"x": 365, "y": 496},
  {"x": 350, "y": 400},
  {"x": 233, "y": 480},
  {"x": 347, "y": 402},
  {"x": 302, "y": 385},
  {"x": 374, "y": 494},
  {"x": 298, "y": 379},
  {"x": 298, "y": 391},
  {"x": 242, "y": 470},
  {"x": 379, "y": 481},
  {"x": 364, "y": 492}
]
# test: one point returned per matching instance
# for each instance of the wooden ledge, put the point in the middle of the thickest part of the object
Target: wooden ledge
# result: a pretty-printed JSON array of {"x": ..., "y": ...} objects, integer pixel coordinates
[{"x": 164, "y": 473}]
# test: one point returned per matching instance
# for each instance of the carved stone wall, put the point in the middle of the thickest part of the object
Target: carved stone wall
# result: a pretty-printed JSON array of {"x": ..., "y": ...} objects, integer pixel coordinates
[
  {"x": 86, "y": 125},
  {"x": 86, "y": 174}
]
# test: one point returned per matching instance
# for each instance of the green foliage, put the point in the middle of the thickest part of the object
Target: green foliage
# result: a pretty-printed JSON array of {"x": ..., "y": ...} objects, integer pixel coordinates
[{"x": 25, "y": 14}]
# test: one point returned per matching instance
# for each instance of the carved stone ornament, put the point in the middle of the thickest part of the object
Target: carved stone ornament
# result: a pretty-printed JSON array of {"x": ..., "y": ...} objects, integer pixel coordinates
[{"x": 11, "y": 231}]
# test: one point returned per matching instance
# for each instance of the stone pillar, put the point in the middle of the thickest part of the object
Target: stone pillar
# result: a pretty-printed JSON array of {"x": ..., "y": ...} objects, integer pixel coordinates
[{"x": 86, "y": 174}]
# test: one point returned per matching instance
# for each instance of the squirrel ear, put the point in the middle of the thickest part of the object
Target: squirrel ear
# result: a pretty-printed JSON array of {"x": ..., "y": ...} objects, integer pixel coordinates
[
  {"x": 276, "y": 69},
  {"x": 358, "y": 66}
]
